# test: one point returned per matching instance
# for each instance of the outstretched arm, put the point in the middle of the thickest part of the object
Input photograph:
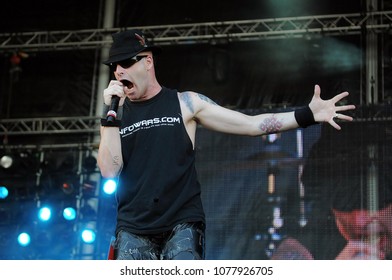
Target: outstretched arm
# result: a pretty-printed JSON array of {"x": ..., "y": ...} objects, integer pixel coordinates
[{"x": 218, "y": 118}]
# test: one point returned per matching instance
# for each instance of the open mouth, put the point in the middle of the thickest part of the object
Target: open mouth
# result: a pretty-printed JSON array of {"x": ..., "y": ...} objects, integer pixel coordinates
[{"x": 127, "y": 84}]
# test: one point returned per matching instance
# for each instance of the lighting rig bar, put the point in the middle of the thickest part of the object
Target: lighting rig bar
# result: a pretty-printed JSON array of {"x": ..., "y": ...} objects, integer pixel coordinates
[
  {"x": 60, "y": 125},
  {"x": 209, "y": 32}
]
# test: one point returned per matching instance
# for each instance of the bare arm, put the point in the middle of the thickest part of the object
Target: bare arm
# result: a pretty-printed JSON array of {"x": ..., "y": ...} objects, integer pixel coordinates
[
  {"x": 229, "y": 121},
  {"x": 109, "y": 159},
  {"x": 109, "y": 153},
  {"x": 221, "y": 119}
]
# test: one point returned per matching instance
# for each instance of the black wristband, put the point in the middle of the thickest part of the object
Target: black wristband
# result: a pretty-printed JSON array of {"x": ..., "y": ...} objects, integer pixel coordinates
[
  {"x": 304, "y": 117},
  {"x": 115, "y": 123},
  {"x": 105, "y": 111}
]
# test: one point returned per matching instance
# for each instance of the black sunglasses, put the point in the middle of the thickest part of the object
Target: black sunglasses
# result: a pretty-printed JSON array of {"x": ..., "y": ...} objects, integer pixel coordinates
[{"x": 126, "y": 63}]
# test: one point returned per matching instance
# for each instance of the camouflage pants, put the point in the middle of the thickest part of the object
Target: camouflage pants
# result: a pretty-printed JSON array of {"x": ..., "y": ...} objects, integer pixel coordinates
[{"x": 184, "y": 242}]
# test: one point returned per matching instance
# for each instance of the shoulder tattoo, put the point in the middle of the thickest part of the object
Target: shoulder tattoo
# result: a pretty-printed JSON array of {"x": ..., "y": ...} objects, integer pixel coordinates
[
  {"x": 186, "y": 97},
  {"x": 205, "y": 98}
]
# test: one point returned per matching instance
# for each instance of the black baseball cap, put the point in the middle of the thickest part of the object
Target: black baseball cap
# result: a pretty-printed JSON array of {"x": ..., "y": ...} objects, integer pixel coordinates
[{"x": 129, "y": 43}]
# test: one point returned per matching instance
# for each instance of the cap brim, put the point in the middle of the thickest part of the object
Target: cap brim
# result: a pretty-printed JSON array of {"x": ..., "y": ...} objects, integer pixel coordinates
[{"x": 154, "y": 49}]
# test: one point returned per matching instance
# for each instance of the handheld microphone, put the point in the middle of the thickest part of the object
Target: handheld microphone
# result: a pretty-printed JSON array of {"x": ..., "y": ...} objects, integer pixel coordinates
[{"x": 112, "y": 113}]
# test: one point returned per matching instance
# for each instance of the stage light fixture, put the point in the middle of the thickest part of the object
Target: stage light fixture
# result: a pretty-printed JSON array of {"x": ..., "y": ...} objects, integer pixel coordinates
[
  {"x": 3, "y": 192},
  {"x": 6, "y": 161},
  {"x": 109, "y": 186},
  {"x": 44, "y": 214},
  {"x": 88, "y": 236},
  {"x": 69, "y": 213},
  {"x": 19, "y": 163},
  {"x": 67, "y": 187},
  {"x": 24, "y": 239}
]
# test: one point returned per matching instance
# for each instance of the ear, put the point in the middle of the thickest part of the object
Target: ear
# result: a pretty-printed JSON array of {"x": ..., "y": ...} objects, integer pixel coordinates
[{"x": 149, "y": 60}]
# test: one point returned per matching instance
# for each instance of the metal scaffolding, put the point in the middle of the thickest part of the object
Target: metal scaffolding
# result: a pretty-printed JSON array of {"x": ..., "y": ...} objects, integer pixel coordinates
[
  {"x": 208, "y": 32},
  {"x": 59, "y": 125}
]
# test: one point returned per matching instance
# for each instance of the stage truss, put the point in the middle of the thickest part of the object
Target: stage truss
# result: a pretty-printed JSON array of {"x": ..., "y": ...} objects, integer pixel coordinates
[{"x": 208, "y": 32}]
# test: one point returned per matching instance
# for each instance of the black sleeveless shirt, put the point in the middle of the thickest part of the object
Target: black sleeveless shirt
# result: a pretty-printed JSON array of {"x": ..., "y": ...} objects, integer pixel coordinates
[{"x": 158, "y": 186}]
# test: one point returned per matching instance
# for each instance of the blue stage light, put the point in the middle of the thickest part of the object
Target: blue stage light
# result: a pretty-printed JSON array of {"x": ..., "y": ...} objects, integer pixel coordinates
[
  {"x": 44, "y": 214},
  {"x": 88, "y": 236},
  {"x": 109, "y": 186},
  {"x": 3, "y": 192},
  {"x": 69, "y": 213},
  {"x": 24, "y": 239}
]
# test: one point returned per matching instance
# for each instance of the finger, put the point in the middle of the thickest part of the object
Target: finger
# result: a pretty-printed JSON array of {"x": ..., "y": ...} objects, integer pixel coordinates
[
  {"x": 344, "y": 117},
  {"x": 345, "y": 108},
  {"x": 335, "y": 125},
  {"x": 118, "y": 88},
  {"x": 113, "y": 82},
  {"x": 317, "y": 91},
  {"x": 339, "y": 97}
]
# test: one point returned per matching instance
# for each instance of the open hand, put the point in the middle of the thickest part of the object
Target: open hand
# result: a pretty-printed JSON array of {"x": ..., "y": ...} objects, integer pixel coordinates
[{"x": 326, "y": 110}]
